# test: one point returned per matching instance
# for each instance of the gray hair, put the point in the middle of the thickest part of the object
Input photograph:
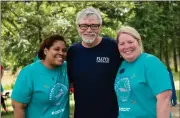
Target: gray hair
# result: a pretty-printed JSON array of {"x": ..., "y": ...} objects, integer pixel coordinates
[{"x": 90, "y": 11}]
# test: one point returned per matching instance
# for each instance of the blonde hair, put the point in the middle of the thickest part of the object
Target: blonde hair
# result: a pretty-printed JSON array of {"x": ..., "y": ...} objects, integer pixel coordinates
[{"x": 130, "y": 31}]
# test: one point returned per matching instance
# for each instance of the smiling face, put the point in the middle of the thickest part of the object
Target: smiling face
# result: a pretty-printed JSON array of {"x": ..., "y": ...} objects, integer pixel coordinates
[
  {"x": 91, "y": 32},
  {"x": 129, "y": 47},
  {"x": 56, "y": 54}
]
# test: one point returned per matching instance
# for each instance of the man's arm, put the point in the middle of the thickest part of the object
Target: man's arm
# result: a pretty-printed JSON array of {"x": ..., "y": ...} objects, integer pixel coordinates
[{"x": 69, "y": 64}]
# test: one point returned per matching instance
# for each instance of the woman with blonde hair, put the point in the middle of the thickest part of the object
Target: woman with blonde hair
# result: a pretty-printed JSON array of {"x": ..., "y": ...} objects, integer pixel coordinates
[{"x": 142, "y": 84}]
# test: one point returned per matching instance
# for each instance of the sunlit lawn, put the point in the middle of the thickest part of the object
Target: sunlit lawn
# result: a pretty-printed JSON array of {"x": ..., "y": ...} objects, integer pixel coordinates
[
  {"x": 178, "y": 95},
  {"x": 176, "y": 76},
  {"x": 7, "y": 115}
]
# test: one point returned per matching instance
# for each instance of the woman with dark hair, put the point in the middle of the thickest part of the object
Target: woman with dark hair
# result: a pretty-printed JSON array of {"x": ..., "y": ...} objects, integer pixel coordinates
[{"x": 42, "y": 88}]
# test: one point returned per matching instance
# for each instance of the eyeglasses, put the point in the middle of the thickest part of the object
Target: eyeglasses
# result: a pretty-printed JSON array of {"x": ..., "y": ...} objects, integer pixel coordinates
[{"x": 92, "y": 26}]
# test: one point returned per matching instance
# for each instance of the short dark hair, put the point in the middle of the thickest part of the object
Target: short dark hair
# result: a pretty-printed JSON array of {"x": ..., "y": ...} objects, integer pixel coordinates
[{"x": 47, "y": 43}]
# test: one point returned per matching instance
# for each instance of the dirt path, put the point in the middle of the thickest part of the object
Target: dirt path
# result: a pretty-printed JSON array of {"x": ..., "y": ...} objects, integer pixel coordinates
[
  {"x": 8, "y": 78},
  {"x": 175, "y": 111}
]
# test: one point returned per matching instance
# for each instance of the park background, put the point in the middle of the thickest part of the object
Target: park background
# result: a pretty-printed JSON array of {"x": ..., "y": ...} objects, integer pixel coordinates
[{"x": 25, "y": 24}]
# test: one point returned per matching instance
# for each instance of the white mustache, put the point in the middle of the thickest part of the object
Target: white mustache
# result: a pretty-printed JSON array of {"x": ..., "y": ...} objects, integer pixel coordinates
[
  {"x": 90, "y": 34},
  {"x": 89, "y": 40}
]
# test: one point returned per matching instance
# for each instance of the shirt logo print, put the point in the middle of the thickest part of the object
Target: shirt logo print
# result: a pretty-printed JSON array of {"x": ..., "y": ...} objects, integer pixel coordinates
[{"x": 102, "y": 59}]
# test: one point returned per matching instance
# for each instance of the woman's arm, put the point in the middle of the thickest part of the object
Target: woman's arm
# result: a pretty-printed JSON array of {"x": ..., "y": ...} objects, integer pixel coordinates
[
  {"x": 19, "y": 109},
  {"x": 163, "y": 104}
]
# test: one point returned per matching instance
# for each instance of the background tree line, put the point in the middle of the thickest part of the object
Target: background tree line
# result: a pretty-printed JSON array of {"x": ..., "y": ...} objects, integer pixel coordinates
[{"x": 25, "y": 24}]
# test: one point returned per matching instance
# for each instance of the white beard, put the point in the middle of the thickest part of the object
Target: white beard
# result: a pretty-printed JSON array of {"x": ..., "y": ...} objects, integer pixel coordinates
[{"x": 89, "y": 40}]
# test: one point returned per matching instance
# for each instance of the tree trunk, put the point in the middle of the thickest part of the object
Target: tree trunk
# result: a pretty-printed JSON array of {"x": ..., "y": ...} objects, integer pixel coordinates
[
  {"x": 160, "y": 50},
  {"x": 178, "y": 56},
  {"x": 174, "y": 55},
  {"x": 166, "y": 36},
  {"x": 166, "y": 54},
  {"x": 39, "y": 24}
]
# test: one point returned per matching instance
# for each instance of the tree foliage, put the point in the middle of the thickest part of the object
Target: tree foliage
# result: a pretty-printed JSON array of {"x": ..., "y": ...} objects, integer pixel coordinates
[{"x": 26, "y": 24}]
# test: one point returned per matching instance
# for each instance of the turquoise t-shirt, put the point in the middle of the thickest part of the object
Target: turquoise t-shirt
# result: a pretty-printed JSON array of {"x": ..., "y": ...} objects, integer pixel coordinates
[
  {"x": 45, "y": 91},
  {"x": 2, "y": 90},
  {"x": 36, "y": 58},
  {"x": 137, "y": 85}
]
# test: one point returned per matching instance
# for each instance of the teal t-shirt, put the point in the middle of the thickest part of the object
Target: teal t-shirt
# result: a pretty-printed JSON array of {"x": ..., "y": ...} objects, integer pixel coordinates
[
  {"x": 36, "y": 58},
  {"x": 45, "y": 91},
  {"x": 2, "y": 90},
  {"x": 137, "y": 85}
]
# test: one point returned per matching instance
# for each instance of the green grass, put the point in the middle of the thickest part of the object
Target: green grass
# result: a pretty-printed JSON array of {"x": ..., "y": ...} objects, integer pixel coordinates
[
  {"x": 7, "y": 115},
  {"x": 176, "y": 77},
  {"x": 178, "y": 95},
  {"x": 8, "y": 86},
  {"x": 10, "y": 110}
]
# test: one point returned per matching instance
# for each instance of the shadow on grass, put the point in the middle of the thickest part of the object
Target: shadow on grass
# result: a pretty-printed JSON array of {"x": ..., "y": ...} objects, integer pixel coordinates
[{"x": 7, "y": 115}]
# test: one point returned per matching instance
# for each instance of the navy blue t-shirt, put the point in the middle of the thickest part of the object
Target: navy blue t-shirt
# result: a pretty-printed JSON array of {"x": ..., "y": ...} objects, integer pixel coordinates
[{"x": 93, "y": 72}]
